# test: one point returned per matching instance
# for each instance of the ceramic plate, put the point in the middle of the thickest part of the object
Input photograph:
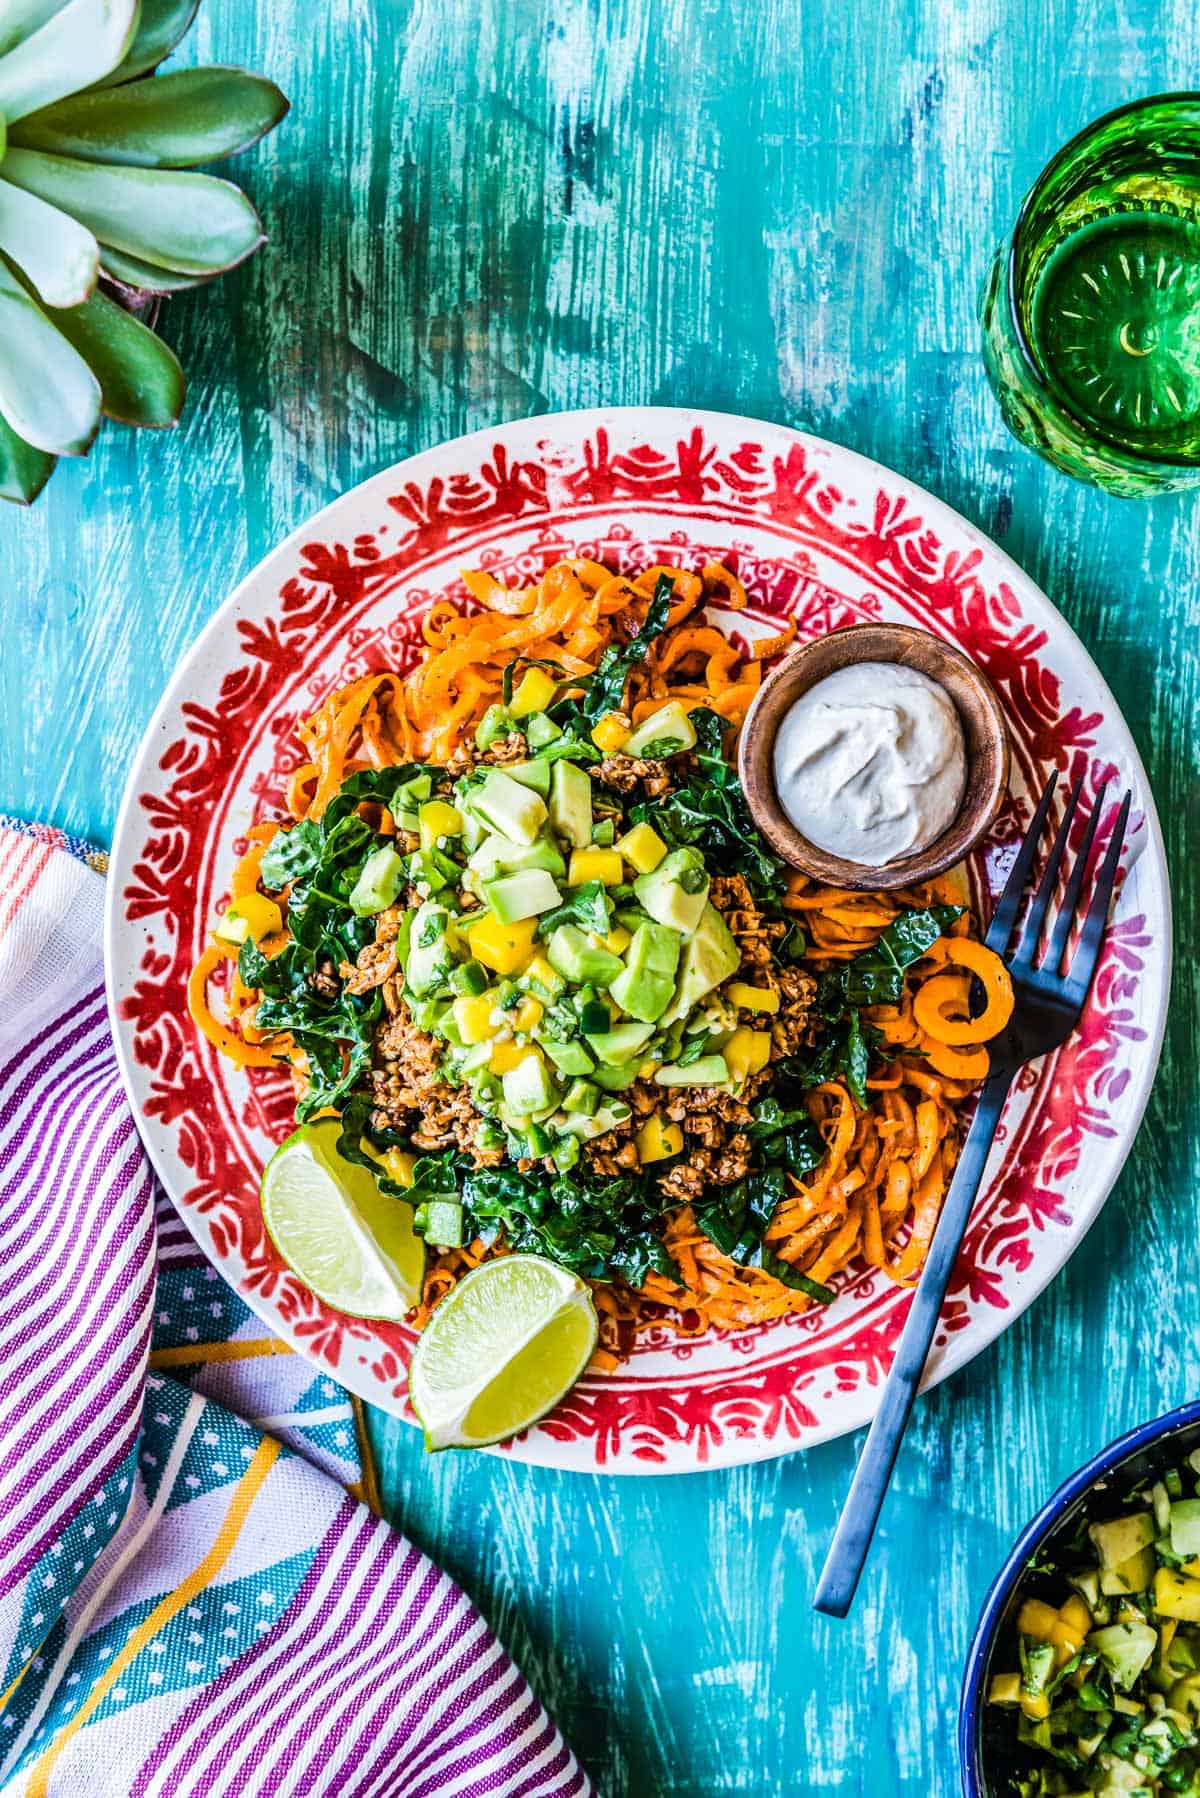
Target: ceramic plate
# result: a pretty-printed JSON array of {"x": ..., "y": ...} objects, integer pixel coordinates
[{"x": 815, "y": 532}]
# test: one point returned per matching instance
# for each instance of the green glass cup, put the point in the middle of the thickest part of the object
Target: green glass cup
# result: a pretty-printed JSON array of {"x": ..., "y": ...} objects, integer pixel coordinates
[{"x": 1091, "y": 310}]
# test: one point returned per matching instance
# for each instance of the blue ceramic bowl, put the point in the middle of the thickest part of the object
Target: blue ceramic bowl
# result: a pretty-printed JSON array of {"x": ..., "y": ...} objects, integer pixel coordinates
[{"x": 988, "y": 1754}]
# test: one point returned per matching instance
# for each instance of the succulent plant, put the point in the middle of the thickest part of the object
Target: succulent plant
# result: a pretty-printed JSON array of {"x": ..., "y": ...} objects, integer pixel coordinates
[{"x": 100, "y": 213}]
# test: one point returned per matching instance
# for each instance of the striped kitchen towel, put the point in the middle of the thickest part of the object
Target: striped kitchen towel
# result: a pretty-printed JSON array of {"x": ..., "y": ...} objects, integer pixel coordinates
[{"x": 193, "y": 1597}]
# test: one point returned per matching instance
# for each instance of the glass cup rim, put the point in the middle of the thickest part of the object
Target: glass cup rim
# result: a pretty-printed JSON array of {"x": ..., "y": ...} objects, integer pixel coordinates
[{"x": 1024, "y": 347}]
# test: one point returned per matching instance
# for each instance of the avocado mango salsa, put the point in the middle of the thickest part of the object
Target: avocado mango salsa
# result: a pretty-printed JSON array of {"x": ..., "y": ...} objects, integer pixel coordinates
[{"x": 1106, "y": 1688}]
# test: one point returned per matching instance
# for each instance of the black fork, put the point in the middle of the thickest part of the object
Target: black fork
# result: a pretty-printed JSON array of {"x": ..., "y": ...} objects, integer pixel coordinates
[{"x": 1048, "y": 1004}]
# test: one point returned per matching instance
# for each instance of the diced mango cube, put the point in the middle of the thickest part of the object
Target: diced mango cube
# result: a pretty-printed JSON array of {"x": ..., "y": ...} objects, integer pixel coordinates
[
  {"x": 502, "y": 947},
  {"x": 1037, "y": 1619},
  {"x": 747, "y": 1052},
  {"x": 1035, "y": 1706},
  {"x": 473, "y": 1015},
  {"x": 617, "y": 940},
  {"x": 252, "y": 917},
  {"x": 648, "y": 1070},
  {"x": 1177, "y": 1595},
  {"x": 595, "y": 864},
  {"x": 437, "y": 819},
  {"x": 1005, "y": 1688},
  {"x": 532, "y": 693},
  {"x": 528, "y": 1015},
  {"x": 397, "y": 1163},
  {"x": 1067, "y": 1641},
  {"x": 1076, "y": 1614},
  {"x": 548, "y": 978},
  {"x": 752, "y": 998},
  {"x": 657, "y": 1139},
  {"x": 506, "y": 1055},
  {"x": 642, "y": 848},
  {"x": 611, "y": 733}
]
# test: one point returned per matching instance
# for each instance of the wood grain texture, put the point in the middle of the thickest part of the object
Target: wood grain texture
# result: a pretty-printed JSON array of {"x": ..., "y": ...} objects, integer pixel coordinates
[{"x": 481, "y": 209}]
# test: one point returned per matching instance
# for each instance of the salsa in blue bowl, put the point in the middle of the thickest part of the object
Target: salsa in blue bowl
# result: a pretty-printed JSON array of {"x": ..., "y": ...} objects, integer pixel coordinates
[{"x": 1085, "y": 1664}]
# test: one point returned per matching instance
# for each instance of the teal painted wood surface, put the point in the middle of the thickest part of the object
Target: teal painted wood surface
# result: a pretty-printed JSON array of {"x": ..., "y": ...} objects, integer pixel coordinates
[{"x": 481, "y": 209}]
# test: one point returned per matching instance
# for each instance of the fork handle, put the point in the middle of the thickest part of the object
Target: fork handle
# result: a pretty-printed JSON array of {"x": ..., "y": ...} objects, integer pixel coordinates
[{"x": 860, "y": 1513}]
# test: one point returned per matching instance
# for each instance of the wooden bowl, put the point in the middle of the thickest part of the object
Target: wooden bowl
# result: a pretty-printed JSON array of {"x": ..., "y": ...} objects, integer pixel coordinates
[{"x": 984, "y": 734}]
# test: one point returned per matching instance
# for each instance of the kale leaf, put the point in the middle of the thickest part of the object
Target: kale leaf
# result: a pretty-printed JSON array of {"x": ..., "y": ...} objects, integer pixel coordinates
[
  {"x": 604, "y": 688},
  {"x": 711, "y": 812},
  {"x": 588, "y": 907}
]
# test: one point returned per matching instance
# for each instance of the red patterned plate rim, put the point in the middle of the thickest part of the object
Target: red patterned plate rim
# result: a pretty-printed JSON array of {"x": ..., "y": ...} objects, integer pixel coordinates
[{"x": 687, "y": 482}]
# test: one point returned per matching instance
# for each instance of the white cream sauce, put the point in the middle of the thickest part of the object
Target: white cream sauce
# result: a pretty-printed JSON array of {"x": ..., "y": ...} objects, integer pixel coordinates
[{"x": 870, "y": 764}]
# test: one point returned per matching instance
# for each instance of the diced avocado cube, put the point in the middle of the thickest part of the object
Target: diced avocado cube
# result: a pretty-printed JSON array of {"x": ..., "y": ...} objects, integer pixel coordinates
[
  {"x": 617, "y": 1076},
  {"x": 646, "y": 987},
  {"x": 1087, "y": 1584},
  {"x": 571, "y": 804},
  {"x": 531, "y": 774},
  {"x": 1120, "y": 1537},
  {"x": 571, "y": 954},
  {"x": 710, "y": 956},
  {"x": 496, "y": 722},
  {"x": 500, "y": 855},
  {"x": 565, "y": 1153},
  {"x": 668, "y": 731},
  {"x": 430, "y": 959},
  {"x": 540, "y": 730},
  {"x": 570, "y": 1058},
  {"x": 675, "y": 893},
  {"x": 619, "y": 1043},
  {"x": 470, "y": 979},
  {"x": 528, "y": 1087},
  {"x": 412, "y": 792},
  {"x": 709, "y": 1070},
  {"x": 1185, "y": 1696},
  {"x": 583, "y": 1096},
  {"x": 378, "y": 884},
  {"x": 1185, "y": 1528},
  {"x": 598, "y": 1123},
  {"x": 508, "y": 807},
  {"x": 1004, "y": 1688},
  {"x": 1125, "y": 1649},
  {"x": 525, "y": 895},
  {"x": 440, "y": 1222}
]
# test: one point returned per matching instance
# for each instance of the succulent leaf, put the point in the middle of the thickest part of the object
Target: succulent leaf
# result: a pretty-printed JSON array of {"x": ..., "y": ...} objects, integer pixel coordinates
[
  {"x": 79, "y": 44},
  {"x": 18, "y": 18},
  {"x": 167, "y": 121},
  {"x": 24, "y": 470},
  {"x": 48, "y": 393},
  {"x": 59, "y": 255},
  {"x": 162, "y": 24},
  {"x": 141, "y": 383},
  {"x": 143, "y": 277},
  {"x": 193, "y": 223}
]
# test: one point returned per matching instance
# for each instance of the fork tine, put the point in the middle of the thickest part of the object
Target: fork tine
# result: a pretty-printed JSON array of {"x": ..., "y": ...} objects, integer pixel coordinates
[
  {"x": 1079, "y": 979},
  {"x": 1070, "y": 900},
  {"x": 1004, "y": 916},
  {"x": 1028, "y": 940}
]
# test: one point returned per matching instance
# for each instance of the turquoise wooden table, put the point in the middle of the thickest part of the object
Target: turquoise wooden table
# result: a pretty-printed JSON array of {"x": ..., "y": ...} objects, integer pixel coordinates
[{"x": 481, "y": 209}]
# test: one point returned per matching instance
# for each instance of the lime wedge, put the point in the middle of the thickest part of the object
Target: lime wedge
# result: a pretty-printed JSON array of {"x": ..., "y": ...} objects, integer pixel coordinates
[
  {"x": 500, "y": 1351},
  {"x": 350, "y": 1243}
]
